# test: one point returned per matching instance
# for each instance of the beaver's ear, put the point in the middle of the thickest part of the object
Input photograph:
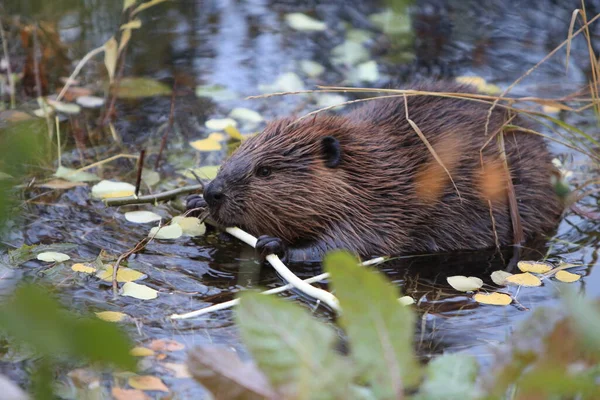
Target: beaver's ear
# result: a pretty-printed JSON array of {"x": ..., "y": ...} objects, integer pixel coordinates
[{"x": 332, "y": 151}]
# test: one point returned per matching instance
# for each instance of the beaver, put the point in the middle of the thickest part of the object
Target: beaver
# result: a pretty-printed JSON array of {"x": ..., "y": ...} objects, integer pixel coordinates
[{"x": 367, "y": 182}]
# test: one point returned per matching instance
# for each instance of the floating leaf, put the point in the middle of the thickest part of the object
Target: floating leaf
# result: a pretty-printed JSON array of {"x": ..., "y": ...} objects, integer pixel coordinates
[
  {"x": 110, "y": 57},
  {"x": 141, "y": 352},
  {"x": 133, "y": 24},
  {"x": 179, "y": 370},
  {"x": 330, "y": 100},
  {"x": 138, "y": 87},
  {"x": 359, "y": 35},
  {"x": 499, "y": 277},
  {"x": 217, "y": 136},
  {"x": 496, "y": 299},
  {"x": 246, "y": 114},
  {"x": 302, "y": 22},
  {"x": 43, "y": 112},
  {"x": 191, "y": 226},
  {"x": 218, "y": 124},
  {"x": 215, "y": 92},
  {"x": 52, "y": 256},
  {"x": 138, "y": 291},
  {"x": 142, "y": 217},
  {"x": 111, "y": 316},
  {"x": 450, "y": 377},
  {"x": 124, "y": 274},
  {"x": 391, "y": 22},
  {"x": 524, "y": 279},
  {"x": 166, "y": 232},
  {"x": 464, "y": 284},
  {"x": 234, "y": 133},
  {"x": 406, "y": 300},
  {"x": 311, "y": 68},
  {"x": 366, "y": 72},
  {"x": 565, "y": 276},
  {"x": 537, "y": 267},
  {"x": 288, "y": 82},
  {"x": 74, "y": 175},
  {"x": 128, "y": 394},
  {"x": 90, "y": 101},
  {"x": 147, "y": 382},
  {"x": 29, "y": 252},
  {"x": 206, "y": 145},
  {"x": 479, "y": 83},
  {"x": 349, "y": 53},
  {"x": 60, "y": 184},
  {"x": 66, "y": 108},
  {"x": 150, "y": 177},
  {"x": 86, "y": 269},
  {"x": 166, "y": 345},
  {"x": 110, "y": 189}
]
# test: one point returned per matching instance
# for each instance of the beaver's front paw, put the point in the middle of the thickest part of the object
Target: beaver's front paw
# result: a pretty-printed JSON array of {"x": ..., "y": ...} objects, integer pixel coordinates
[
  {"x": 195, "y": 202},
  {"x": 266, "y": 245}
]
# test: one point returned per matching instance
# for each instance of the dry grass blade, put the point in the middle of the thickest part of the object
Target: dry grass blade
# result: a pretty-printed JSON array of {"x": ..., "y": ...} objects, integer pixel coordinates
[
  {"x": 512, "y": 198},
  {"x": 570, "y": 37}
]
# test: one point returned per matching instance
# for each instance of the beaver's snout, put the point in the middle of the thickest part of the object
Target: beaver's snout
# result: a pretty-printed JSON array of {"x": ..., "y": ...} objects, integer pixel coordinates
[{"x": 213, "y": 193}]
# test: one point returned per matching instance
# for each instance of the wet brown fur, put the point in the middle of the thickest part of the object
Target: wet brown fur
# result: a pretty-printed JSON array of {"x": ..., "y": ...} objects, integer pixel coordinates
[{"x": 389, "y": 195}]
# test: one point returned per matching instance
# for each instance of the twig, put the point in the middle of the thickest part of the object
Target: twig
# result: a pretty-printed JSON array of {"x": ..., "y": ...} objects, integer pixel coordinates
[
  {"x": 11, "y": 78},
  {"x": 139, "y": 246},
  {"x": 163, "y": 142},
  {"x": 138, "y": 179},
  {"x": 164, "y": 196}
]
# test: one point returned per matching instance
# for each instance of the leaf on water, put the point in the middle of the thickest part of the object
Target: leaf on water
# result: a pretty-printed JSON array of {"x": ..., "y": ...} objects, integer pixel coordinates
[
  {"x": 60, "y": 184},
  {"x": 207, "y": 172},
  {"x": 524, "y": 279},
  {"x": 537, "y": 267},
  {"x": 191, "y": 226},
  {"x": 166, "y": 345},
  {"x": 366, "y": 72},
  {"x": 74, "y": 175},
  {"x": 496, "y": 299},
  {"x": 311, "y": 68},
  {"x": 150, "y": 177},
  {"x": 246, "y": 115},
  {"x": 217, "y": 136},
  {"x": 464, "y": 284},
  {"x": 128, "y": 394},
  {"x": 359, "y": 35},
  {"x": 43, "y": 112},
  {"x": 450, "y": 377},
  {"x": 109, "y": 189},
  {"x": 379, "y": 329},
  {"x": 29, "y": 252},
  {"x": 406, "y": 300},
  {"x": 234, "y": 133},
  {"x": 221, "y": 371},
  {"x": 216, "y": 92},
  {"x": 147, "y": 5},
  {"x": 142, "y": 217},
  {"x": 141, "y": 352},
  {"x": 392, "y": 22},
  {"x": 218, "y": 124},
  {"x": 134, "y": 24},
  {"x": 206, "y": 145},
  {"x": 66, "y": 108},
  {"x": 111, "y": 316},
  {"x": 138, "y": 291},
  {"x": 499, "y": 277},
  {"x": 568, "y": 277},
  {"x": 166, "y": 232},
  {"x": 302, "y": 22},
  {"x": 147, "y": 382},
  {"x": 124, "y": 274},
  {"x": 52, "y": 256},
  {"x": 90, "y": 101},
  {"x": 349, "y": 53},
  {"x": 479, "y": 83},
  {"x": 139, "y": 87},
  {"x": 288, "y": 82},
  {"x": 179, "y": 370},
  {"x": 110, "y": 57},
  {"x": 330, "y": 100},
  {"x": 86, "y": 269}
]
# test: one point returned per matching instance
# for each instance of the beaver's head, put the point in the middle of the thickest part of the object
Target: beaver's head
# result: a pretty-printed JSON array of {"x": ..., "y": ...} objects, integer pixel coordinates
[{"x": 285, "y": 181}]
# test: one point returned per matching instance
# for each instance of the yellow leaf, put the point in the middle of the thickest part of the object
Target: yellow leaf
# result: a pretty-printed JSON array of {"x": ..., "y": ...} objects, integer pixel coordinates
[
  {"x": 191, "y": 226},
  {"x": 128, "y": 3},
  {"x": 180, "y": 370},
  {"x": 83, "y": 268},
  {"x": 123, "y": 275},
  {"x": 234, "y": 133},
  {"x": 109, "y": 189},
  {"x": 137, "y": 291},
  {"x": 496, "y": 299},
  {"x": 479, "y": 83},
  {"x": 110, "y": 57},
  {"x": 565, "y": 276},
  {"x": 525, "y": 279},
  {"x": 537, "y": 267},
  {"x": 550, "y": 109},
  {"x": 111, "y": 316},
  {"x": 147, "y": 382},
  {"x": 217, "y": 136},
  {"x": 141, "y": 352},
  {"x": 134, "y": 24},
  {"x": 166, "y": 345},
  {"x": 124, "y": 39},
  {"x": 206, "y": 145}
]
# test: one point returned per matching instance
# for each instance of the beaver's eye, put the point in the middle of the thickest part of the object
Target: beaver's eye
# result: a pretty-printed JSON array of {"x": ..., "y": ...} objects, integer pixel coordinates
[{"x": 263, "y": 172}]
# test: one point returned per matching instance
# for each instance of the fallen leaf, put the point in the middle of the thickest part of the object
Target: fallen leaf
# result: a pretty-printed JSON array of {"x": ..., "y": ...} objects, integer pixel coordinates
[
  {"x": 60, "y": 184},
  {"x": 191, "y": 226},
  {"x": 167, "y": 232},
  {"x": 568, "y": 277},
  {"x": 150, "y": 177},
  {"x": 537, "y": 267},
  {"x": 524, "y": 279},
  {"x": 464, "y": 284},
  {"x": 111, "y": 316},
  {"x": 246, "y": 115},
  {"x": 349, "y": 53},
  {"x": 86, "y": 269},
  {"x": 215, "y": 92},
  {"x": 479, "y": 83},
  {"x": 288, "y": 82},
  {"x": 141, "y": 352},
  {"x": 128, "y": 394},
  {"x": 147, "y": 382},
  {"x": 124, "y": 274},
  {"x": 74, "y": 175},
  {"x": 406, "y": 300},
  {"x": 311, "y": 68},
  {"x": 546, "y": 109},
  {"x": 90, "y": 101},
  {"x": 302, "y": 22},
  {"x": 365, "y": 72},
  {"x": 206, "y": 145},
  {"x": 166, "y": 345},
  {"x": 233, "y": 132},
  {"x": 110, "y": 189},
  {"x": 52, "y": 256},
  {"x": 66, "y": 108},
  {"x": 138, "y": 87},
  {"x": 217, "y": 136},
  {"x": 138, "y": 291},
  {"x": 179, "y": 370},
  {"x": 218, "y": 124},
  {"x": 496, "y": 299},
  {"x": 142, "y": 217},
  {"x": 499, "y": 277}
]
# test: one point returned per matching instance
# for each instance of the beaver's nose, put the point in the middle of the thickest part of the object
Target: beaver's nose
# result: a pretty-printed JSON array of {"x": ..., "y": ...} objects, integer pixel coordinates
[{"x": 213, "y": 193}]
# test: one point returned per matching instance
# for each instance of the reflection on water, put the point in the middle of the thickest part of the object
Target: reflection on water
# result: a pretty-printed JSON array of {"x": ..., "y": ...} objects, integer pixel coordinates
[{"x": 240, "y": 45}]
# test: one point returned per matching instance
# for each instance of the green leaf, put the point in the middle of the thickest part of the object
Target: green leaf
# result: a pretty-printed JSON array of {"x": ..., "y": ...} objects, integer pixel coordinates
[
  {"x": 135, "y": 88},
  {"x": 450, "y": 377},
  {"x": 379, "y": 328},
  {"x": 293, "y": 349},
  {"x": 27, "y": 252}
]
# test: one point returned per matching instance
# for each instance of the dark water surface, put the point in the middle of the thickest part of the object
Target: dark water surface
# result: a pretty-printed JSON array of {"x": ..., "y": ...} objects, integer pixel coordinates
[{"x": 241, "y": 45}]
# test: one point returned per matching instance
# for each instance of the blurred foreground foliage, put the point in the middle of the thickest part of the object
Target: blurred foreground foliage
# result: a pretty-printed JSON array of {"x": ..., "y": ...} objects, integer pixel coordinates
[{"x": 298, "y": 356}]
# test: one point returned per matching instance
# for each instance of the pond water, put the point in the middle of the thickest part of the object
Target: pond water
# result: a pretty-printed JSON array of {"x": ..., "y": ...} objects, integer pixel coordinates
[{"x": 236, "y": 49}]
